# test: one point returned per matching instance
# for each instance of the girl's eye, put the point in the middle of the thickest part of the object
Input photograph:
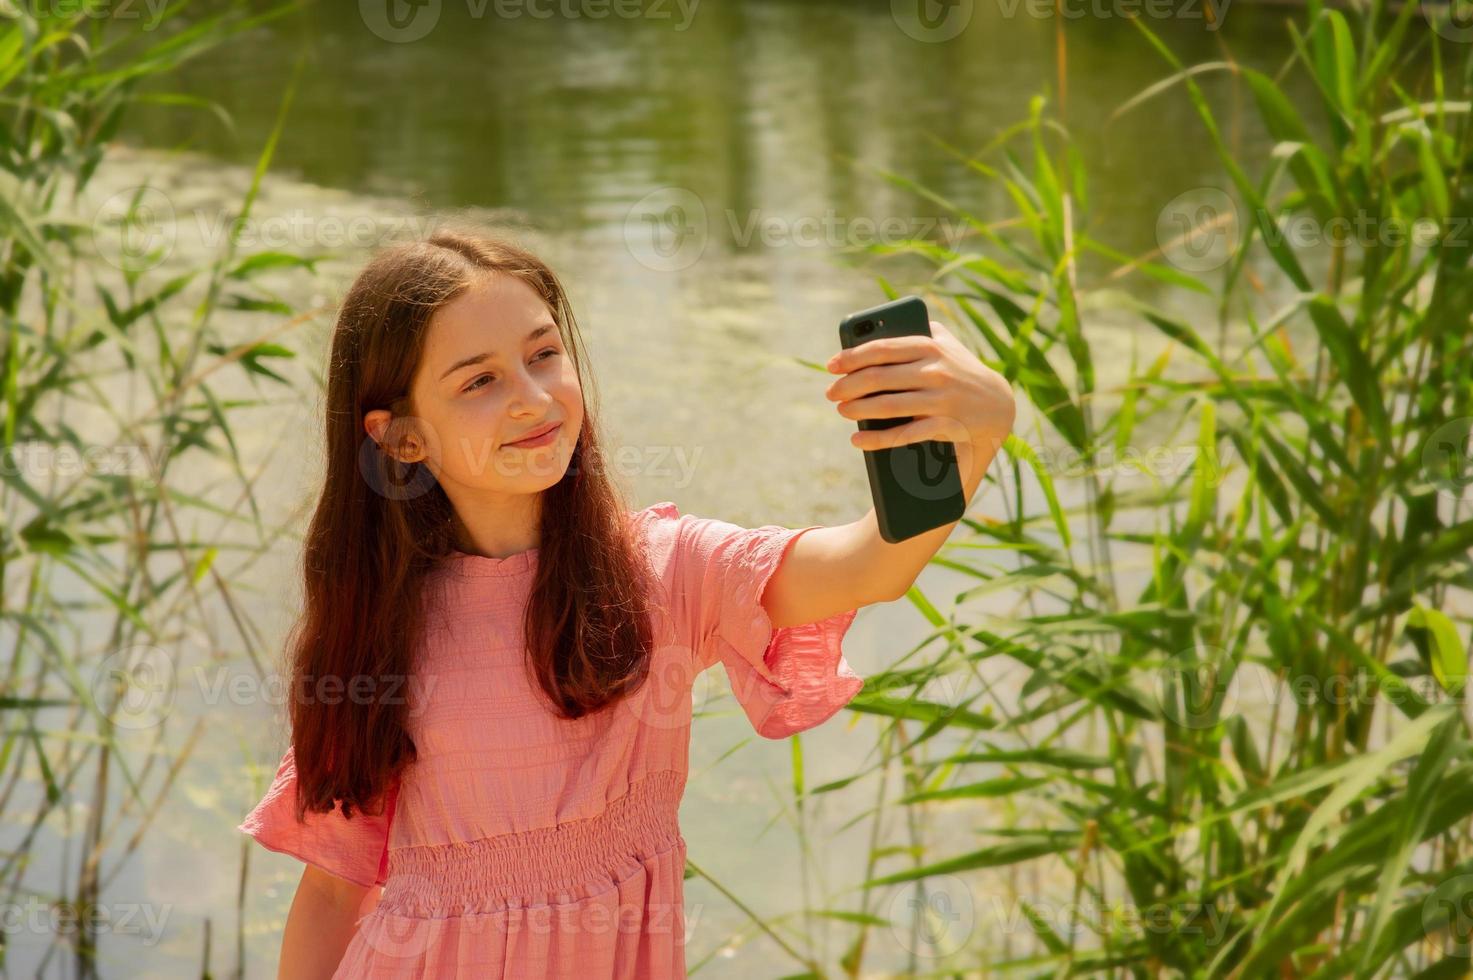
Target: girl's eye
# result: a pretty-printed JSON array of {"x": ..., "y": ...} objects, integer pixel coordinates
[{"x": 553, "y": 351}]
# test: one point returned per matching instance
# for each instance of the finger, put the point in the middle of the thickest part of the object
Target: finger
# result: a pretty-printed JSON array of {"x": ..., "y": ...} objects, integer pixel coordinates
[
  {"x": 920, "y": 430},
  {"x": 895, "y": 405},
  {"x": 909, "y": 376},
  {"x": 886, "y": 350},
  {"x": 945, "y": 337}
]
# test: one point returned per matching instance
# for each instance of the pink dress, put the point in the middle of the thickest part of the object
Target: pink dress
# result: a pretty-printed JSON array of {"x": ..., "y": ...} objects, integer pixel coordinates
[{"x": 520, "y": 844}]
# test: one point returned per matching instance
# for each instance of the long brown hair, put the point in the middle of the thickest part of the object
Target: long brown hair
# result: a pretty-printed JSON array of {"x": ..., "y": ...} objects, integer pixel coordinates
[{"x": 382, "y": 526}]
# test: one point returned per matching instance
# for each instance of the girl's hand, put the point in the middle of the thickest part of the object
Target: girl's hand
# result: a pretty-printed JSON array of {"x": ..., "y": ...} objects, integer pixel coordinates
[{"x": 952, "y": 395}]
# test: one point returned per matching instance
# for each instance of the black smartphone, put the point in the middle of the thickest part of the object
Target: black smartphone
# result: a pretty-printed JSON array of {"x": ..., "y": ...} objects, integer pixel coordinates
[{"x": 915, "y": 487}]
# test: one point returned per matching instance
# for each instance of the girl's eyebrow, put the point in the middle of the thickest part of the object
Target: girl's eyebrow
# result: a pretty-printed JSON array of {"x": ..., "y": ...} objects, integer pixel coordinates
[{"x": 478, "y": 358}]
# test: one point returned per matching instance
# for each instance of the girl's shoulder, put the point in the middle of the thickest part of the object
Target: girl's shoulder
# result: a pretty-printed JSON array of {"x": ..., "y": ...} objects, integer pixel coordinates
[
  {"x": 665, "y": 510},
  {"x": 689, "y": 545},
  {"x": 656, "y": 527}
]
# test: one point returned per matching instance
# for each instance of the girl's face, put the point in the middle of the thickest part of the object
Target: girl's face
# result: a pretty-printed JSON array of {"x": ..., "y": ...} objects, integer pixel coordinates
[{"x": 494, "y": 370}]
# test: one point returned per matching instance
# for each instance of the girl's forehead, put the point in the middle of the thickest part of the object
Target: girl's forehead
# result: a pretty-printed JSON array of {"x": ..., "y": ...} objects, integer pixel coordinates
[
  {"x": 497, "y": 312},
  {"x": 492, "y": 306},
  {"x": 493, "y": 318}
]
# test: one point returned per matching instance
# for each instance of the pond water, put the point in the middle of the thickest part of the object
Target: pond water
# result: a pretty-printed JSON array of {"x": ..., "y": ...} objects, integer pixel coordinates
[{"x": 696, "y": 179}]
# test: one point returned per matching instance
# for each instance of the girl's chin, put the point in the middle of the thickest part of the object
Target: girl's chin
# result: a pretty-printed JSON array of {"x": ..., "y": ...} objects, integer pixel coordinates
[{"x": 529, "y": 471}]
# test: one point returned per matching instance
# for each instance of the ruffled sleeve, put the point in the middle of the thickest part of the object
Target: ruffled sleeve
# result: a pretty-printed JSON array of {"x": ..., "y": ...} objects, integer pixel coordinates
[
  {"x": 787, "y": 679},
  {"x": 355, "y": 848}
]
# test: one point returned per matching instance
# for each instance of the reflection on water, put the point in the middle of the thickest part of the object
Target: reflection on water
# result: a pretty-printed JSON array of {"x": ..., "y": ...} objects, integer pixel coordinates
[
  {"x": 753, "y": 106},
  {"x": 696, "y": 189}
]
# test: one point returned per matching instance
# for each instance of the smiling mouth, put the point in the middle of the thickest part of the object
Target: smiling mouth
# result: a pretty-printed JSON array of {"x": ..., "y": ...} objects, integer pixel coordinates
[{"x": 540, "y": 438}]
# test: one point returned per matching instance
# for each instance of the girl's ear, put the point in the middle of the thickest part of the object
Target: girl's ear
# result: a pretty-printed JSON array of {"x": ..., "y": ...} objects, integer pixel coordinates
[
  {"x": 380, "y": 425},
  {"x": 375, "y": 423}
]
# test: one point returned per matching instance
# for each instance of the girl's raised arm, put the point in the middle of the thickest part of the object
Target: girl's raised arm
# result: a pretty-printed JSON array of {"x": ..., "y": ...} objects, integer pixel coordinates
[{"x": 949, "y": 394}]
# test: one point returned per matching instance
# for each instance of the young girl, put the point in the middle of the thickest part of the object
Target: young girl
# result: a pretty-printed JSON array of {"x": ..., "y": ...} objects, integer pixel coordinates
[{"x": 492, "y": 675}]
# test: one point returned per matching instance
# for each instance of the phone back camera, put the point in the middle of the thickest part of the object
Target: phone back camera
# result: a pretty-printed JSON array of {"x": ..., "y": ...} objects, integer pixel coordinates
[{"x": 864, "y": 328}]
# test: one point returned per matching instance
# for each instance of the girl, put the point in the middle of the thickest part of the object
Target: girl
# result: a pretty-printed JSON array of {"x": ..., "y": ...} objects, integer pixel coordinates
[{"x": 492, "y": 675}]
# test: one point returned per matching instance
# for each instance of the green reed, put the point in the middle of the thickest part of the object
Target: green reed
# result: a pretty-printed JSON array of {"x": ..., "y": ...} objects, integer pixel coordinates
[
  {"x": 107, "y": 583},
  {"x": 1318, "y": 543}
]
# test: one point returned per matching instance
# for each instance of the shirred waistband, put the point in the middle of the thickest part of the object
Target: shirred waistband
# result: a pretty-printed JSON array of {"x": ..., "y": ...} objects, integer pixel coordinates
[{"x": 437, "y": 880}]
